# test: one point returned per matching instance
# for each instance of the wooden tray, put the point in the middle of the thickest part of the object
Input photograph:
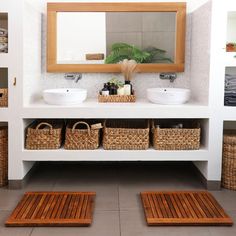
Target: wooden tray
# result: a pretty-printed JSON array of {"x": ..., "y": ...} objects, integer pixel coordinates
[{"x": 116, "y": 98}]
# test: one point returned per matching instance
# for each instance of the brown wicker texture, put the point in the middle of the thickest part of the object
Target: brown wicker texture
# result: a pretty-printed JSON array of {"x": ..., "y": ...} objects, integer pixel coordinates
[
  {"x": 186, "y": 138},
  {"x": 126, "y": 134},
  {"x": 3, "y": 156},
  {"x": 44, "y": 135},
  {"x": 116, "y": 98},
  {"x": 81, "y": 135},
  {"x": 229, "y": 160},
  {"x": 3, "y": 97}
]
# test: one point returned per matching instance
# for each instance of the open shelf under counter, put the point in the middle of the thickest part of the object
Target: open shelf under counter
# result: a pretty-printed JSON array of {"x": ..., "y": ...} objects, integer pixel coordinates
[
  {"x": 5, "y": 60},
  {"x": 4, "y": 114},
  {"x": 115, "y": 155},
  {"x": 91, "y": 108}
]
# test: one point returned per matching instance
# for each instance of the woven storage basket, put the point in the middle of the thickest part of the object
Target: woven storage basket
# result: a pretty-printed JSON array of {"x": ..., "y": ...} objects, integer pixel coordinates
[
  {"x": 116, "y": 98},
  {"x": 3, "y": 156},
  {"x": 229, "y": 160},
  {"x": 44, "y": 135},
  {"x": 82, "y": 135},
  {"x": 3, "y": 97},
  {"x": 186, "y": 138},
  {"x": 126, "y": 134}
]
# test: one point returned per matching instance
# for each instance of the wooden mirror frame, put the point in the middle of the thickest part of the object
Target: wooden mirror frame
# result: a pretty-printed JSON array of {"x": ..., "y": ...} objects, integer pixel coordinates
[{"x": 53, "y": 8}]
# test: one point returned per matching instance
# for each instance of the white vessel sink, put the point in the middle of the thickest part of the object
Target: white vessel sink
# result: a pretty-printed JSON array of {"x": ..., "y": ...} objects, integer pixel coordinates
[
  {"x": 64, "y": 96},
  {"x": 168, "y": 96}
]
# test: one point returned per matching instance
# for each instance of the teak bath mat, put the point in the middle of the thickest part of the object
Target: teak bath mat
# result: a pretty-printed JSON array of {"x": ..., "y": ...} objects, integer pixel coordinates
[
  {"x": 183, "y": 208},
  {"x": 53, "y": 209}
]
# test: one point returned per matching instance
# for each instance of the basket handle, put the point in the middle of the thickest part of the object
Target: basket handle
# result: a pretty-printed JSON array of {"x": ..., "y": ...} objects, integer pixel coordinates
[
  {"x": 44, "y": 123},
  {"x": 81, "y": 122}
]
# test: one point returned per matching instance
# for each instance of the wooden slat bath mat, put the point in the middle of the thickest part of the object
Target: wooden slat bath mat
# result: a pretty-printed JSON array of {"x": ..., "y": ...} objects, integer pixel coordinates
[
  {"x": 53, "y": 209},
  {"x": 183, "y": 208}
]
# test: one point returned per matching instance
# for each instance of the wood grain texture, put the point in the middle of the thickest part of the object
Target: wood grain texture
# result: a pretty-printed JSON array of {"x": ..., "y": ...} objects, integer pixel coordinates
[
  {"x": 53, "y": 209},
  {"x": 183, "y": 208},
  {"x": 53, "y": 8}
]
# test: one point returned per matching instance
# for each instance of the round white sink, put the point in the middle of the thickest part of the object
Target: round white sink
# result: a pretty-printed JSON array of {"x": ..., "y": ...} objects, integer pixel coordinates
[
  {"x": 64, "y": 96},
  {"x": 168, "y": 96}
]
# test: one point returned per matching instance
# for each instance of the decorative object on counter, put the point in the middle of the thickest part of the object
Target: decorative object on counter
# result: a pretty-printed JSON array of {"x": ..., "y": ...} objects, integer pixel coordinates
[
  {"x": 3, "y": 97},
  {"x": 94, "y": 56},
  {"x": 3, "y": 40},
  {"x": 230, "y": 90},
  {"x": 84, "y": 134},
  {"x": 116, "y": 91},
  {"x": 128, "y": 69},
  {"x": 231, "y": 47},
  {"x": 117, "y": 98},
  {"x": 3, "y": 156},
  {"x": 175, "y": 135},
  {"x": 121, "y": 51},
  {"x": 45, "y": 134},
  {"x": 105, "y": 91},
  {"x": 126, "y": 134},
  {"x": 229, "y": 160}
]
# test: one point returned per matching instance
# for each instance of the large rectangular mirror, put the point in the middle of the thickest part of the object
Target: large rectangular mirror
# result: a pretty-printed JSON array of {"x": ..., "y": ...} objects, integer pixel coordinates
[{"x": 95, "y": 37}]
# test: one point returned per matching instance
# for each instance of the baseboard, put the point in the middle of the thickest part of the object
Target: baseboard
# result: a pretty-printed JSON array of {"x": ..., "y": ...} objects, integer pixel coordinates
[
  {"x": 209, "y": 184},
  {"x": 20, "y": 183}
]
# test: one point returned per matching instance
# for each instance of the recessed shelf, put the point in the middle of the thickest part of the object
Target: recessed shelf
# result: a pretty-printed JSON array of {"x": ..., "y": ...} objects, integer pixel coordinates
[
  {"x": 3, "y": 33},
  {"x": 229, "y": 113},
  {"x": 115, "y": 155},
  {"x": 4, "y": 114},
  {"x": 230, "y": 59},
  {"x": 140, "y": 109}
]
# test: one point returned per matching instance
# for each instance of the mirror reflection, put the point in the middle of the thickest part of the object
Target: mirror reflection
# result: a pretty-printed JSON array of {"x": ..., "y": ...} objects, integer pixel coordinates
[{"x": 110, "y": 37}]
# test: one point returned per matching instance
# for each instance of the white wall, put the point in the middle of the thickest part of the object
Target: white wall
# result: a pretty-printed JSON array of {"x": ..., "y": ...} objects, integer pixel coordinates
[{"x": 200, "y": 52}]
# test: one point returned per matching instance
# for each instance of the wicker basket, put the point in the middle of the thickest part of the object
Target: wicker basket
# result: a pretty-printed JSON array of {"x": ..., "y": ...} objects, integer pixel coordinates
[
  {"x": 3, "y": 97},
  {"x": 126, "y": 134},
  {"x": 3, "y": 156},
  {"x": 229, "y": 160},
  {"x": 116, "y": 98},
  {"x": 44, "y": 135},
  {"x": 165, "y": 138},
  {"x": 82, "y": 135}
]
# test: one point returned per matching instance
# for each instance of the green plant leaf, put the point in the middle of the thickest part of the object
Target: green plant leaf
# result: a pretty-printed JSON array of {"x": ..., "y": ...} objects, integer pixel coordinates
[{"x": 121, "y": 51}]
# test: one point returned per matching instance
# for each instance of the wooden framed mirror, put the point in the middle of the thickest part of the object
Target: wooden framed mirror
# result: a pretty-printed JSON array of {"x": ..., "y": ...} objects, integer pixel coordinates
[{"x": 93, "y": 37}]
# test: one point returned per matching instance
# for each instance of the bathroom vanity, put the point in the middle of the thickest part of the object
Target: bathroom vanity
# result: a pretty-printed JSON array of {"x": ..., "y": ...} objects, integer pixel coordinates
[{"x": 40, "y": 64}]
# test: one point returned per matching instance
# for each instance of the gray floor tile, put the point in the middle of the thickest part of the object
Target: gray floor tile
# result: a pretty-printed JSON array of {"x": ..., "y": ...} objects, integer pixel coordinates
[
  {"x": 106, "y": 193},
  {"x": 226, "y": 198},
  {"x": 11, "y": 231},
  {"x": 129, "y": 192},
  {"x": 106, "y": 223},
  {"x": 133, "y": 223},
  {"x": 9, "y": 198},
  {"x": 227, "y": 231}
]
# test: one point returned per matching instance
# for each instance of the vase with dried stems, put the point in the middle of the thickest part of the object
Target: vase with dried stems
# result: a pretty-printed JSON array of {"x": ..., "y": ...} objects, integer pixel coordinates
[{"x": 128, "y": 69}]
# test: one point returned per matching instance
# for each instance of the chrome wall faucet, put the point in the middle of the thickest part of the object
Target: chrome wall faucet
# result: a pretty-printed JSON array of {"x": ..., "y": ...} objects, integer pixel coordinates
[
  {"x": 169, "y": 76},
  {"x": 73, "y": 76}
]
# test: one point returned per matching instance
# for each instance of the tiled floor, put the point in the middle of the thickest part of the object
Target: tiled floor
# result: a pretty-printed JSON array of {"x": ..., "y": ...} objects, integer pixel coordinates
[{"x": 118, "y": 208}]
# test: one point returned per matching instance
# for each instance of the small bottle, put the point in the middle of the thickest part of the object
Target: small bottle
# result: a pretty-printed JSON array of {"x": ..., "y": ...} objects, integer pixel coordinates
[
  {"x": 105, "y": 90},
  {"x": 109, "y": 87},
  {"x": 127, "y": 88},
  {"x": 121, "y": 91},
  {"x": 113, "y": 89}
]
